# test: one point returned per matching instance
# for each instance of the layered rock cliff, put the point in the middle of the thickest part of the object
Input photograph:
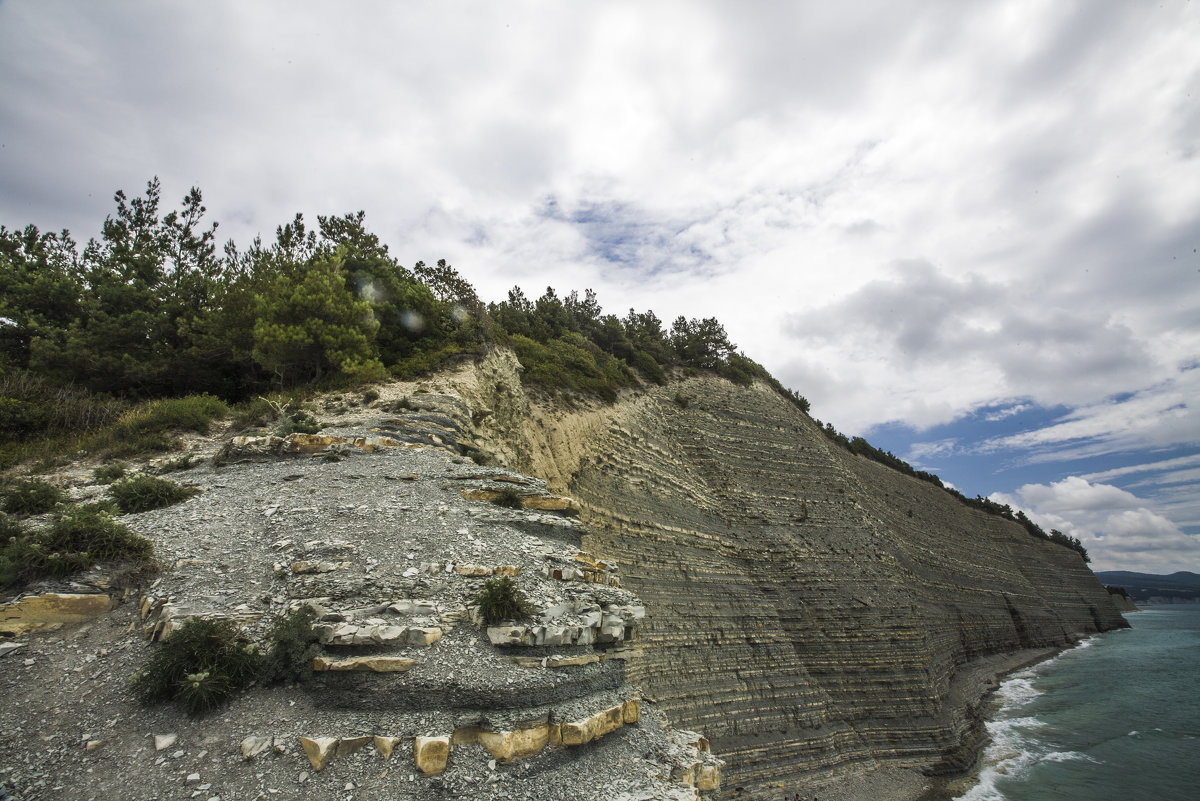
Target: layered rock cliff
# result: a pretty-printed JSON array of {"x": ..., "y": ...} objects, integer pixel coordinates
[
  {"x": 817, "y": 617},
  {"x": 814, "y": 614},
  {"x": 384, "y": 530}
]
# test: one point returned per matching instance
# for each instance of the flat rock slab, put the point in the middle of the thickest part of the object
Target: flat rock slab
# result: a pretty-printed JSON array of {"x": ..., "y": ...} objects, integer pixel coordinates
[
  {"x": 371, "y": 664},
  {"x": 50, "y": 611}
]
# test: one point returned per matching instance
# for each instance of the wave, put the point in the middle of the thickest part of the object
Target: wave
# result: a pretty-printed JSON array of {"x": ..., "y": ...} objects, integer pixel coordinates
[{"x": 1016, "y": 692}]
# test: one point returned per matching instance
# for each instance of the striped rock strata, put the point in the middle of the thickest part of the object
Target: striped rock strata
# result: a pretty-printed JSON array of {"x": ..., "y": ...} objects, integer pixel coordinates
[{"x": 812, "y": 613}]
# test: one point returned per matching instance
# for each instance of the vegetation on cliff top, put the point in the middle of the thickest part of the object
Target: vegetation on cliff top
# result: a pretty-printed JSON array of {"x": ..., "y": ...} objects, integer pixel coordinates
[{"x": 151, "y": 311}]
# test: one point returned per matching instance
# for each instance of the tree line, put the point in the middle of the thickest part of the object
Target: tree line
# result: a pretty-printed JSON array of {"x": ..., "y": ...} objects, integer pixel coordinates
[{"x": 152, "y": 309}]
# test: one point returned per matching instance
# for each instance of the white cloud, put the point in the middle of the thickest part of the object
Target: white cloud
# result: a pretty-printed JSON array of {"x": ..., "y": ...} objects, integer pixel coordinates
[
  {"x": 1120, "y": 530},
  {"x": 1009, "y": 411},
  {"x": 1149, "y": 467},
  {"x": 907, "y": 211},
  {"x": 1155, "y": 417}
]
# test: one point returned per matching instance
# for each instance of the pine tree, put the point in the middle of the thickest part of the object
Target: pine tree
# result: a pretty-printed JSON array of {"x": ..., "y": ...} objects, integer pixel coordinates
[{"x": 310, "y": 323}]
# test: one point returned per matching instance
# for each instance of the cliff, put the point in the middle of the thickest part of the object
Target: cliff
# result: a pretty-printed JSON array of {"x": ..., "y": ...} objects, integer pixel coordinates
[
  {"x": 823, "y": 621},
  {"x": 381, "y": 527},
  {"x": 814, "y": 614}
]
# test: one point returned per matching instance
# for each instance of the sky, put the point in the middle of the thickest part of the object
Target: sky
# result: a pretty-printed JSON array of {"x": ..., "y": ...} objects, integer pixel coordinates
[{"x": 965, "y": 231}]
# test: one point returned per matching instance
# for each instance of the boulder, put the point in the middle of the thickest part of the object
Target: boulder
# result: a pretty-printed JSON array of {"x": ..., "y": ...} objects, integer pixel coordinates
[
  {"x": 431, "y": 754},
  {"x": 319, "y": 750},
  {"x": 423, "y": 636},
  {"x": 349, "y": 745},
  {"x": 507, "y": 635},
  {"x": 385, "y": 746}
]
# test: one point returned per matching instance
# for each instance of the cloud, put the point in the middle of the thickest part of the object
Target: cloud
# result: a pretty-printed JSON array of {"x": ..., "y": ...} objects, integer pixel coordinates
[
  {"x": 927, "y": 336},
  {"x": 1120, "y": 530},
  {"x": 1169, "y": 466},
  {"x": 907, "y": 211},
  {"x": 1007, "y": 411},
  {"x": 1159, "y": 416}
]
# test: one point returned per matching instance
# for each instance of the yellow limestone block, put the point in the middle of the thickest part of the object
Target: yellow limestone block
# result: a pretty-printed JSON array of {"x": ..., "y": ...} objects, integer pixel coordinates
[
  {"x": 709, "y": 778},
  {"x": 50, "y": 611},
  {"x": 505, "y": 746},
  {"x": 431, "y": 754},
  {"x": 385, "y": 746},
  {"x": 319, "y": 750},
  {"x": 540, "y": 503},
  {"x": 593, "y": 728},
  {"x": 374, "y": 664}
]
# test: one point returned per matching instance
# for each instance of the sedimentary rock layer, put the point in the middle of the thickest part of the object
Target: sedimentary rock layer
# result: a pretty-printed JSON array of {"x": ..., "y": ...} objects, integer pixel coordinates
[{"x": 807, "y": 610}]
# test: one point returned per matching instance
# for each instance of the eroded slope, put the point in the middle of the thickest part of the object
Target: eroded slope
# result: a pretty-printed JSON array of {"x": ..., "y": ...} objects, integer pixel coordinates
[{"x": 815, "y": 614}]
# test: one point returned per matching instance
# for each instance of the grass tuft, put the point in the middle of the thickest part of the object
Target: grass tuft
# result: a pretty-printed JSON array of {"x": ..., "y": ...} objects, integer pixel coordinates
[
  {"x": 32, "y": 496},
  {"x": 501, "y": 599},
  {"x": 147, "y": 428},
  {"x": 509, "y": 498},
  {"x": 142, "y": 493},
  {"x": 201, "y": 665},
  {"x": 79, "y": 539}
]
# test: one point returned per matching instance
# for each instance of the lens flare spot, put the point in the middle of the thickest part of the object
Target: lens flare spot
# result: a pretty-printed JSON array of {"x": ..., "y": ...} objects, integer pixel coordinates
[{"x": 412, "y": 321}]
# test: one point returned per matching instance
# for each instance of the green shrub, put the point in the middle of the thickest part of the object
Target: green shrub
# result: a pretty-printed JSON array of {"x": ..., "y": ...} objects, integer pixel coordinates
[
  {"x": 297, "y": 422},
  {"x": 146, "y": 428},
  {"x": 501, "y": 599},
  {"x": 185, "y": 462},
  {"x": 477, "y": 456},
  {"x": 293, "y": 644},
  {"x": 370, "y": 396},
  {"x": 509, "y": 498},
  {"x": 650, "y": 369},
  {"x": 108, "y": 473},
  {"x": 193, "y": 413},
  {"x": 142, "y": 493},
  {"x": 106, "y": 505},
  {"x": 571, "y": 363},
  {"x": 31, "y": 405},
  {"x": 255, "y": 413},
  {"x": 401, "y": 405},
  {"x": 201, "y": 665},
  {"x": 423, "y": 362},
  {"x": 32, "y": 496},
  {"x": 12, "y": 536},
  {"x": 94, "y": 533},
  {"x": 79, "y": 539},
  {"x": 19, "y": 417},
  {"x": 10, "y": 527}
]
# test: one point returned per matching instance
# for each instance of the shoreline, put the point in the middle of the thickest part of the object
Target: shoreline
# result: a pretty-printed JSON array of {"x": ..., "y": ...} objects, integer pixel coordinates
[
  {"x": 972, "y": 689},
  {"x": 984, "y": 678}
]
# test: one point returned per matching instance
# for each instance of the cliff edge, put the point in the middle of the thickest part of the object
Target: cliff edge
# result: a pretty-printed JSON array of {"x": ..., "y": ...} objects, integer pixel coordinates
[{"x": 816, "y": 615}]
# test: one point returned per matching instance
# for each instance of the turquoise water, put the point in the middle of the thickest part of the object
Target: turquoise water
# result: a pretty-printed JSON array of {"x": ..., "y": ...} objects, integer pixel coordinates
[{"x": 1116, "y": 718}]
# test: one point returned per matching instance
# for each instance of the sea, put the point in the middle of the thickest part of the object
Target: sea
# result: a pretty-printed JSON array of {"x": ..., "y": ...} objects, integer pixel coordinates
[{"x": 1117, "y": 717}]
